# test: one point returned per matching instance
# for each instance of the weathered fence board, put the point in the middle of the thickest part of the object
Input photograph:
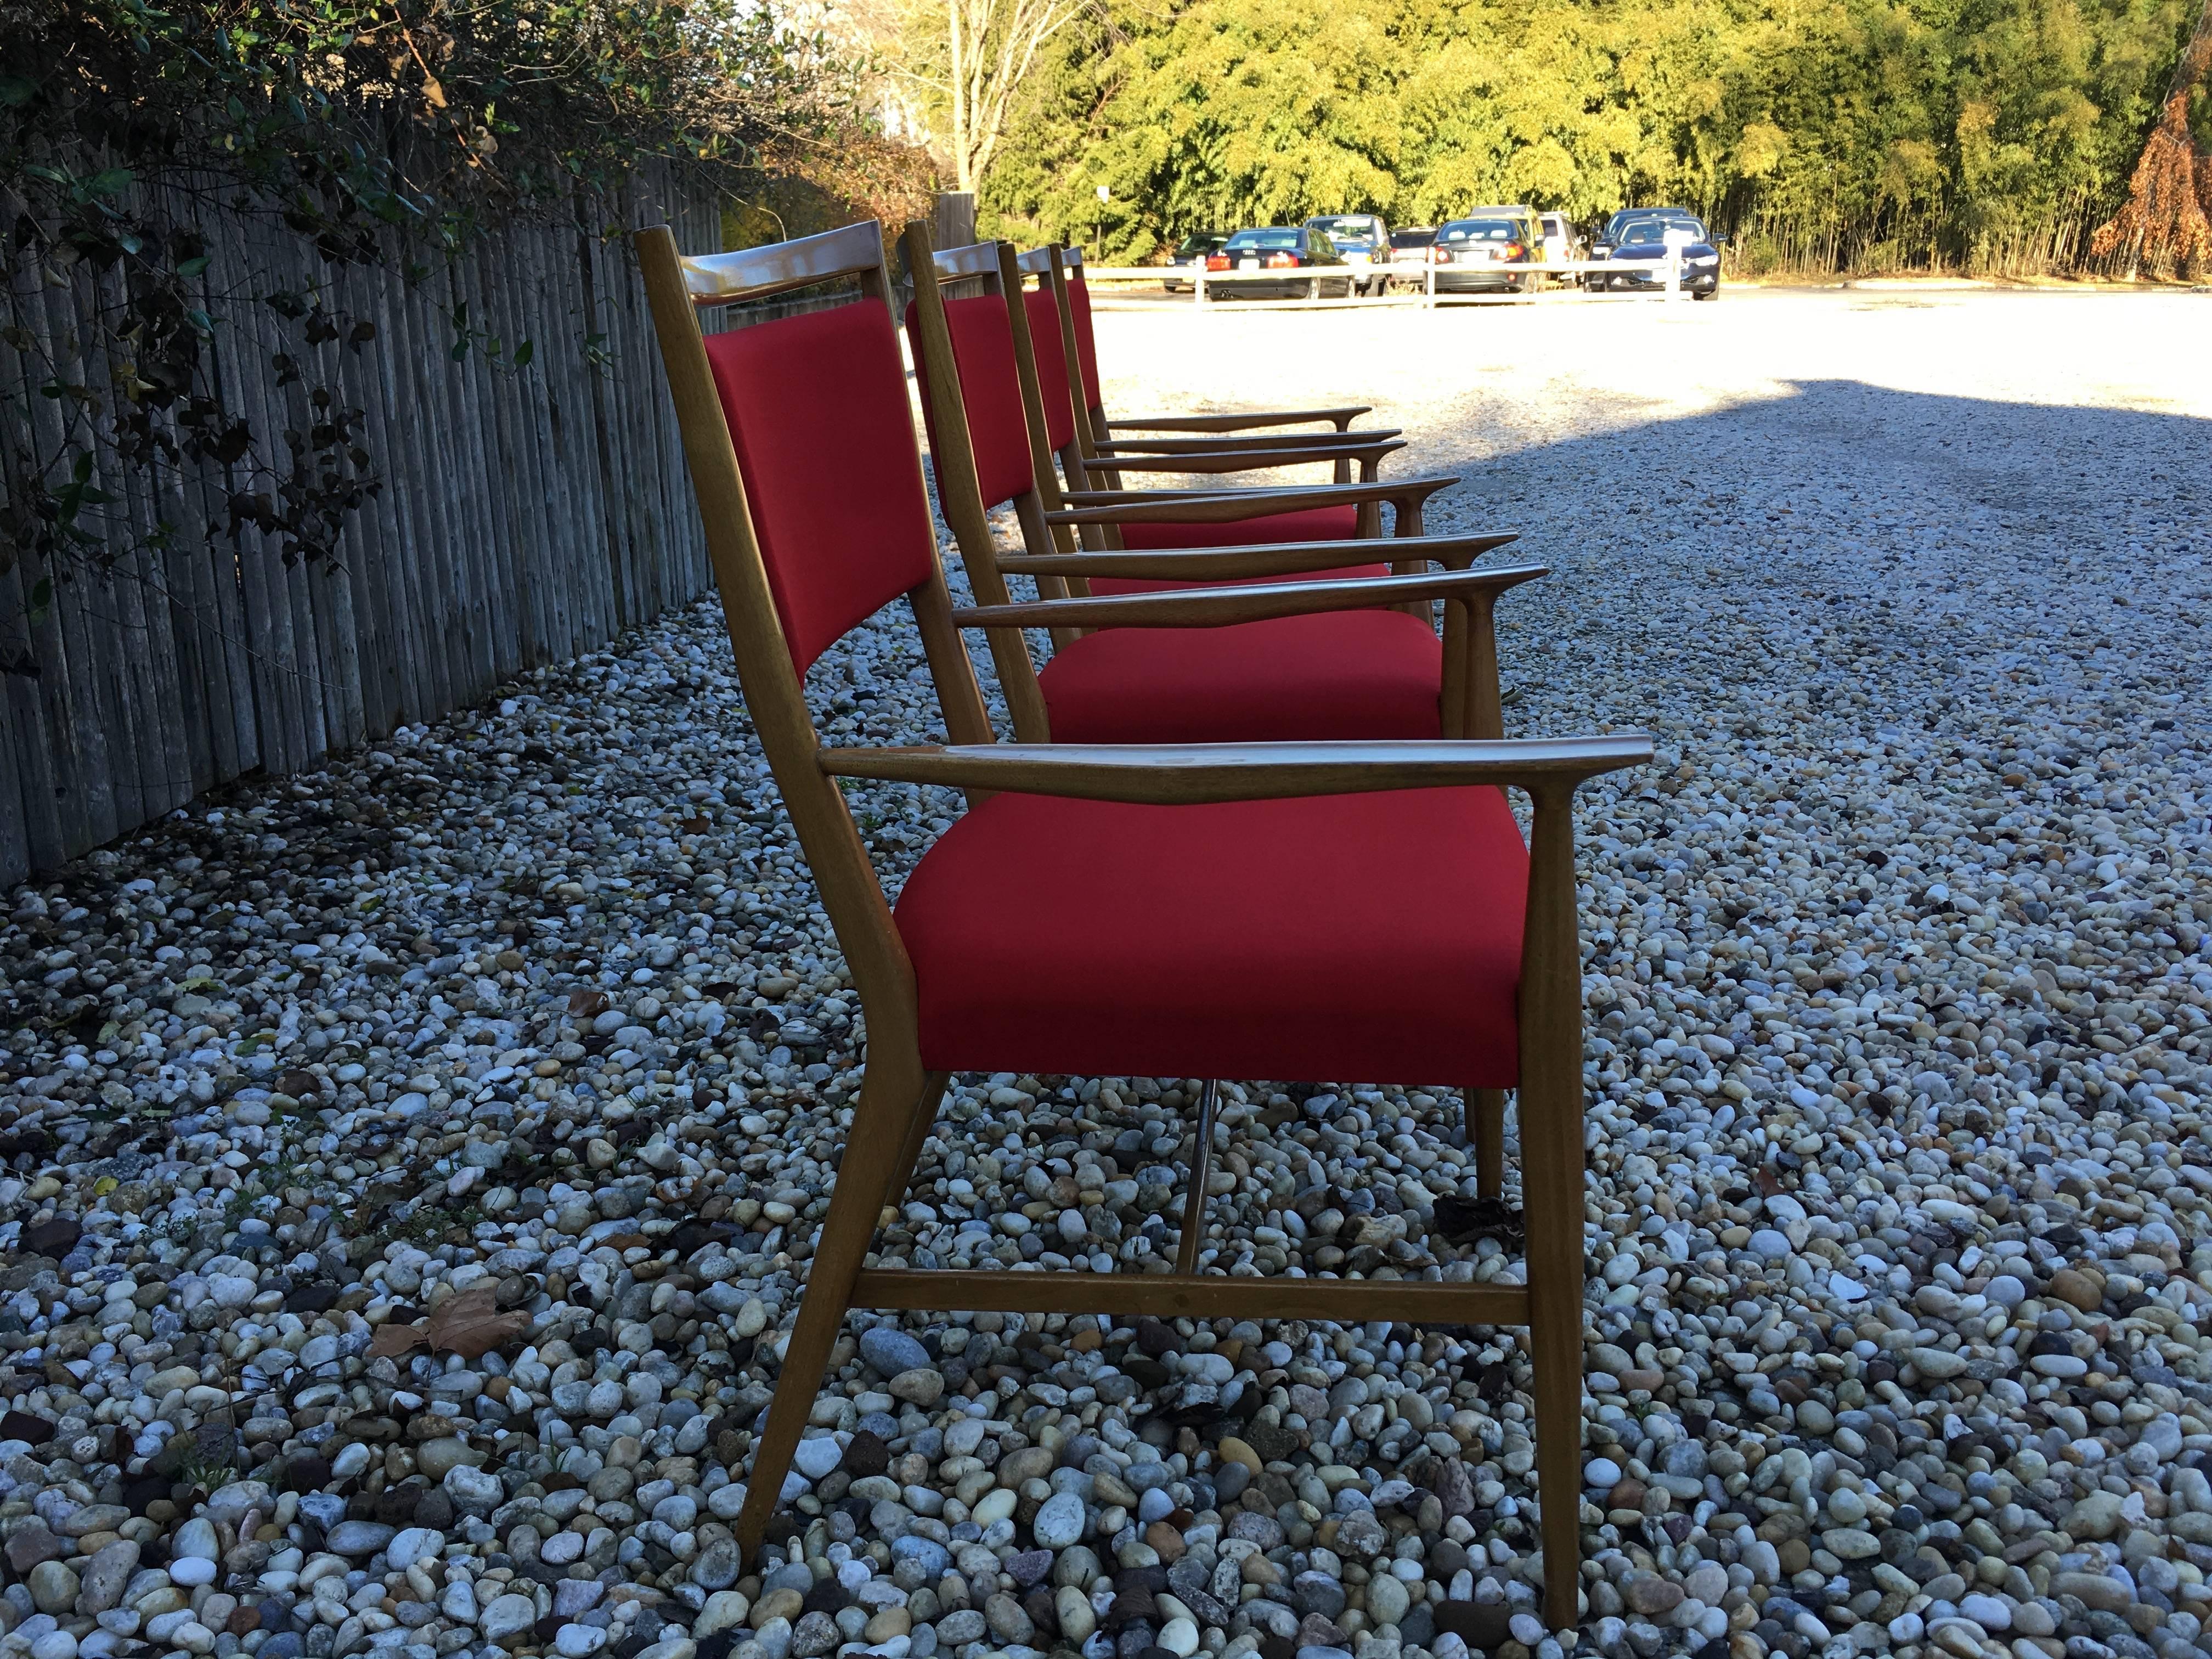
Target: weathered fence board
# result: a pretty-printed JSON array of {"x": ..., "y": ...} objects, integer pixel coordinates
[{"x": 526, "y": 514}]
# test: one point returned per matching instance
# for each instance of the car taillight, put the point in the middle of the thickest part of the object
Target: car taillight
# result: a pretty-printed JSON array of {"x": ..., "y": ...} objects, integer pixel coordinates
[
  {"x": 1217, "y": 262},
  {"x": 1514, "y": 250},
  {"x": 1438, "y": 257},
  {"x": 1276, "y": 261}
]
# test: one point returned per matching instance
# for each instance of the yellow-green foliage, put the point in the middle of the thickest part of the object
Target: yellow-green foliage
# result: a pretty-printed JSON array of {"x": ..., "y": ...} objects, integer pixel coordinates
[{"x": 1820, "y": 133}]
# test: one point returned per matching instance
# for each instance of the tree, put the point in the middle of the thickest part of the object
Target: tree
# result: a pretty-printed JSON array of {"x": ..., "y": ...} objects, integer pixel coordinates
[
  {"x": 2164, "y": 224},
  {"x": 972, "y": 57},
  {"x": 1818, "y": 135}
]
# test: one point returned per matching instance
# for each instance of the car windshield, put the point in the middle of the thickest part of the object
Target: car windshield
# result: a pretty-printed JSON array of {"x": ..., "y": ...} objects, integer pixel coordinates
[
  {"x": 1554, "y": 225},
  {"x": 1263, "y": 242},
  {"x": 1412, "y": 237},
  {"x": 1627, "y": 216},
  {"x": 1654, "y": 231},
  {"x": 1203, "y": 242},
  {"x": 1480, "y": 230},
  {"x": 1347, "y": 230}
]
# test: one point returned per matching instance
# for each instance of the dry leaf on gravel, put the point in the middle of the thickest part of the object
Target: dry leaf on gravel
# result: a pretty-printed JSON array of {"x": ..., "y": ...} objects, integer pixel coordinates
[{"x": 468, "y": 1323}]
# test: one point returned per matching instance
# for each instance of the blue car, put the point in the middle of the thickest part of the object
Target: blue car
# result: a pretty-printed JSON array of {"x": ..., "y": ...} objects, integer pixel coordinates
[{"x": 1638, "y": 260}]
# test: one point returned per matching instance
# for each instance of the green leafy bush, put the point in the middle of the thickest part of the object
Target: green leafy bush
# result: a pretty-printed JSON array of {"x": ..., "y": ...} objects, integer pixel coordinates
[{"x": 135, "y": 137}]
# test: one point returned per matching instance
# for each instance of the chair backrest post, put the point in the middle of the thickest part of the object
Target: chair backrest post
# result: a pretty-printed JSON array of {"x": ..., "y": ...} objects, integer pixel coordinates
[
  {"x": 1087, "y": 436},
  {"x": 960, "y": 496},
  {"x": 1040, "y": 536},
  {"x": 1082, "y": 347},
  {"x": 776, "y": 696}
]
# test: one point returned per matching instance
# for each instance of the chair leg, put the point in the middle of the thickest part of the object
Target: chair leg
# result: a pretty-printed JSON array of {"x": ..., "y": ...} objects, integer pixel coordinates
[
  {"x": 883, "y": 1131},
  {"x": 1201, "y": 1165},
  {"x": 1486, "y": 1110},
  {"x": 925, "y": 1120},
  {"x": 1551, "y": 1164}
]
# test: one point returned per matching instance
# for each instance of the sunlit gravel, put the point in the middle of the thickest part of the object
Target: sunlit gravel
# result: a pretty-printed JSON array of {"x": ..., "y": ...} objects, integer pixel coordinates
[{"x": 1898, "y": 1012}]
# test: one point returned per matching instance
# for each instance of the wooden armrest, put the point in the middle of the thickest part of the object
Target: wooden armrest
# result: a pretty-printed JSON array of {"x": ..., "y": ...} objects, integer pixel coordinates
[
  {"x": 1200, "y": 774},
  {"x": 1242, "y": 420},
  {"x": 1264, "y": 559},
  {"x": 1223, "y": 607},
  {"x": 1128, "y": 507},
  {"x": 1245, "y": 460},
  {"x": 1267, "y": 441}
]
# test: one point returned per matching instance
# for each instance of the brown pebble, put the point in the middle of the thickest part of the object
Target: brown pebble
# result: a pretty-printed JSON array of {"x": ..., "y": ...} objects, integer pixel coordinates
[{"x": 2078, "y": 1288}]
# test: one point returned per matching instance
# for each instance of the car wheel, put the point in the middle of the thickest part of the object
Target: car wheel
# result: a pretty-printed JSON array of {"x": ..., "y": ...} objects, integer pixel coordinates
[{"x": 1713, "y": 293}]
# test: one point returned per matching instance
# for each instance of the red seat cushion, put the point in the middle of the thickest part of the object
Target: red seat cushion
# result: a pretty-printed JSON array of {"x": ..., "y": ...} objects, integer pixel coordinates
[
  {"x": 1320, "y": 524},
  {"x": 1343, "y": 938},
  {"x": 1347, "y": 674}
]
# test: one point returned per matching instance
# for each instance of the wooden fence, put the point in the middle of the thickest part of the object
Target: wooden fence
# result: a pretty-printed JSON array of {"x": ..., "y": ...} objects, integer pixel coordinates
[{"x": 526, "y": 514}]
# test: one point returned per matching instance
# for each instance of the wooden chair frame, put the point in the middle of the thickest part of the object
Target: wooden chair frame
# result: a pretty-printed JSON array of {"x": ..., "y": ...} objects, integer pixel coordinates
[
  {"x": 1471, "y": 702},
  {"x": 1094, "y": 451},
  {"x": 999, "y": 271},
  {"x": 899, "y": 1097},
  {"x": 1093, "y": 466},
  {"x": 1102, "y": 427}
]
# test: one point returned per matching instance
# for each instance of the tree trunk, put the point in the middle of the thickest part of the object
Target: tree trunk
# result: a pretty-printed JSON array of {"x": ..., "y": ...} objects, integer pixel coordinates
[
  {"x": 963, "y": 164},
  {"x": 2166, "y": 224}
]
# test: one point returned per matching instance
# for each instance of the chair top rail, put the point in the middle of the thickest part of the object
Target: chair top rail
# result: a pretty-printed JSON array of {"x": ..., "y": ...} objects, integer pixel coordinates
[
  {"x": 753, "y": 273},
  {"x": 1038, "y": 261},
  {"x": 977, "y": 259}
]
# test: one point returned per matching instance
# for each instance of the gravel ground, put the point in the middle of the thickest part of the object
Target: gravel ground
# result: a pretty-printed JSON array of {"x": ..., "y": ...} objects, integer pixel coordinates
[{"x": 414, "y": 1164}]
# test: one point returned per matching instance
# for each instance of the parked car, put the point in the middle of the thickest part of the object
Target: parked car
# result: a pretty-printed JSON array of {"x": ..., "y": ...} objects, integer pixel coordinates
[
  {"x": 1561, "y": 240},
  {"x": 1531, "y": 223},
  {"x": 1639, "y": 259},
  {"x": 1192, "y": 251},
  {"x": 1285, "y": 248},
  {"x": 1362, "y": 238},
  {"x": 1609, "y": 238},
  {"x": 1615, "y": 225},
  {"x": 1410, "y": 246},
  {"x": 1469, "y": 255}
]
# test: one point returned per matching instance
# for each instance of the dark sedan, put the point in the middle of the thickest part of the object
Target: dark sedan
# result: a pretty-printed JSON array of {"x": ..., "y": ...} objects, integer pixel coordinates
[
  {"x": 1639, "y": 258},
  {"x": 1472, "y": 256},
  {"x": 1192, "y": 251},
  {"x": 1287, "y": 248},
  {"x": 1609, "y": 237}
]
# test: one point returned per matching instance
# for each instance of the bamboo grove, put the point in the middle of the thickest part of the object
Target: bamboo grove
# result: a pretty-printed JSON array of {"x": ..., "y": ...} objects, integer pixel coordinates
[{"x": 1995, "y": 135}]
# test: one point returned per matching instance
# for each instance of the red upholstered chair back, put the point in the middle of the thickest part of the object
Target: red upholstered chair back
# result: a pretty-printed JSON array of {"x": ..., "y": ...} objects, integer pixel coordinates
[
  {"x": 817, "y": 411},
  {"x": 1051, "y": 367},
  {"x": 990, "y": 394}
]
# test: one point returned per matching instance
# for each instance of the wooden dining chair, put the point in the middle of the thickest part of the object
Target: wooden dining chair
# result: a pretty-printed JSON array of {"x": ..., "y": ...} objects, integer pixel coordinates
[
  {"x": 1016, "y": 388},
  {"x": 1082, "y": 345},
  {"x": 1035, "y": 324},
  {"x": 996, "y": 405},
  {"x": 1356, "y": 670},
  {"x": 1090, "y": 458},
  {"x": 1425, "y": 940}
]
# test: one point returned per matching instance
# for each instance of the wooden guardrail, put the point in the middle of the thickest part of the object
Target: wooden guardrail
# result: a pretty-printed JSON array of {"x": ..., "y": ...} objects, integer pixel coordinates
[{"x": 1422, "y": 272}]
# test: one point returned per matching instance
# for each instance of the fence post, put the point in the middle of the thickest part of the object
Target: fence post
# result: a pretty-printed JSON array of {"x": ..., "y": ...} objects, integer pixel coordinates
[
  {"x": 1673, "y": 271},
  {"x": 953, "y": 222},
  {"x": 1198, "y": 285},
  {"x": 1429, "y": 286}
]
